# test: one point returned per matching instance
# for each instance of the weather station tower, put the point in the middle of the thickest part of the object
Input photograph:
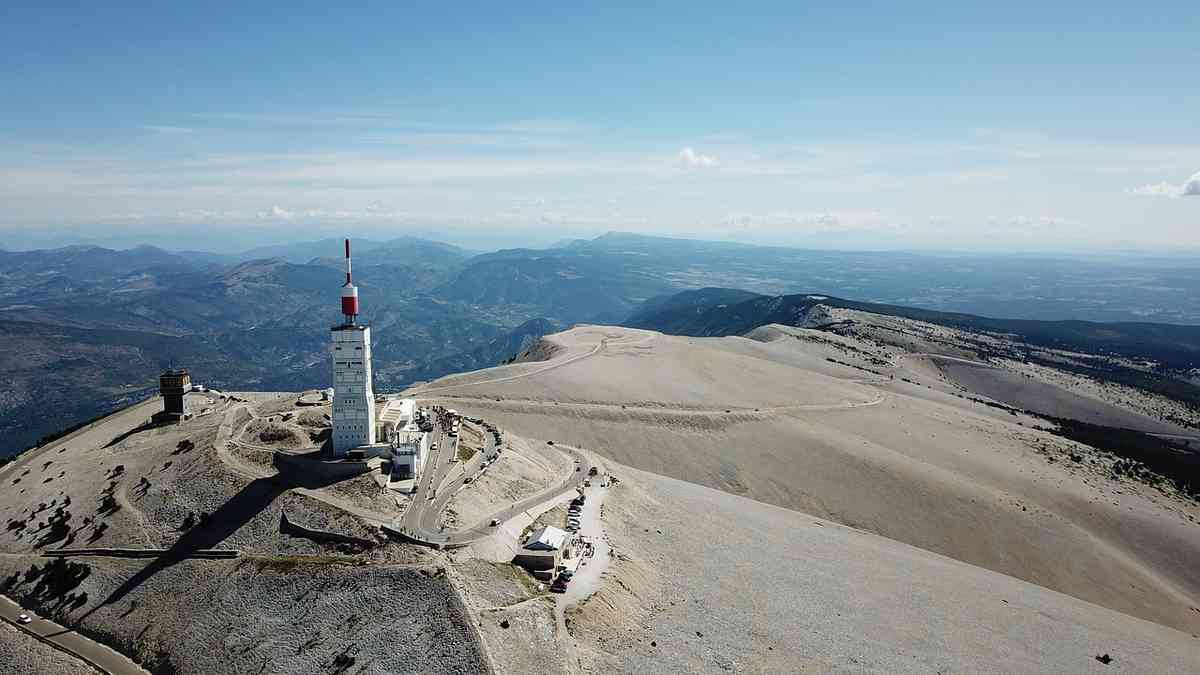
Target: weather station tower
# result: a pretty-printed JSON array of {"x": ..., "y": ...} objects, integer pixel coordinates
[{"x": 353, "y": 398}]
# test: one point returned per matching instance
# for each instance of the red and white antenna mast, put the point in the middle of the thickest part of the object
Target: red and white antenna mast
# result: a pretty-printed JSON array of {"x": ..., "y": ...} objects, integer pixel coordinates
[{"x": 349, "y": 293}]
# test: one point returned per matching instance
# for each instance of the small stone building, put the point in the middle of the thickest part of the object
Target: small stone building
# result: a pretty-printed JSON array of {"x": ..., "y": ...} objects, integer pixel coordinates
[
  {"x": 173, "y": 385},
  {"x": 545, "y": 549}
]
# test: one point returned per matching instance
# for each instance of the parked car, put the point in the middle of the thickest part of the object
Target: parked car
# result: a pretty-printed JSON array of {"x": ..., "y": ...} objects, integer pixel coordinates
[
  {"x": 558, "y": 588},
  {"x": 24, "y": 618},
  {"x": 567, "y": 574}
]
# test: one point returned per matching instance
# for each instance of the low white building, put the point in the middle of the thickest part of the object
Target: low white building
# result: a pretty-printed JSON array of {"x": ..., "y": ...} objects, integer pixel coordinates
[
  {"x": 410, "y": 446},
  {"x": 545, "y": 549},
  {"x": 396, "y": 414}
]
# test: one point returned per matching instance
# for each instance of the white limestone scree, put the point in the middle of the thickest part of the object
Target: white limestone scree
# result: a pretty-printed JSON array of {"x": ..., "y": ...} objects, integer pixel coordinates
[{"x": 353, "y": 396}]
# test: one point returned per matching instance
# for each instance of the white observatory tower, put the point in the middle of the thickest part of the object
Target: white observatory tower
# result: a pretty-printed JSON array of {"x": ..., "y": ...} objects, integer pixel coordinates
[{"x": 353, "y": 398}]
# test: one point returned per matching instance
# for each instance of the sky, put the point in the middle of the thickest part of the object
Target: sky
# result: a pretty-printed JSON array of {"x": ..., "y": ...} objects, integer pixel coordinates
[{"x": 1021, "y": 126}]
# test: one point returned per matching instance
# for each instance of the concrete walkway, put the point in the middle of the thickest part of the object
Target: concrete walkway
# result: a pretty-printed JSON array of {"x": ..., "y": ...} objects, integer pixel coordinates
[{"x": 93, "y": 653}]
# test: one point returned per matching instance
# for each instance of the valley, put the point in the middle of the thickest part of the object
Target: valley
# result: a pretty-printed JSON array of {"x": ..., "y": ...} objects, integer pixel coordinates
[{"x": 85, "y": 328}]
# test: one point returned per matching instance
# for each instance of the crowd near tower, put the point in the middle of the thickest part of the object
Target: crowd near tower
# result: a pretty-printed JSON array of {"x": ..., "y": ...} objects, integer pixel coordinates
[{"x": 353, "y": 398}]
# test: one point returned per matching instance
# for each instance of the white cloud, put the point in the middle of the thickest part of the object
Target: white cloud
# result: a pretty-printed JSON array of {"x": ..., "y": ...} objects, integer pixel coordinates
[
  {"x": 1158, "y": 190},
  {"x": 1033, "y": 224},
  {"x": 280, "y": 213},
  {"x": 162, "y": 130},
  {"x": 690, "y": 158},
  {"x": 1191, "y": 188}
]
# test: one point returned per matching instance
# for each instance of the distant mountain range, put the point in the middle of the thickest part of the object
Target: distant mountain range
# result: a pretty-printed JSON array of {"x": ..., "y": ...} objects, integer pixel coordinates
[
  {"x": 259, "y": 319},
  {"x": 1158, "y": 358},
  {"x": 724, "y": 311},
  {"x": 400, "y": 251}
]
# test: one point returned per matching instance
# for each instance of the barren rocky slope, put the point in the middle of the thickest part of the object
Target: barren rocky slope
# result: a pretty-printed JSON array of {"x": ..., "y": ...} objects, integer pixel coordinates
[
  {"x": 847, "y": 441},
  {"x": 286, "y": 604},
  {"x": 710, "y": 582},
  {"x": 881, "y": 518}
]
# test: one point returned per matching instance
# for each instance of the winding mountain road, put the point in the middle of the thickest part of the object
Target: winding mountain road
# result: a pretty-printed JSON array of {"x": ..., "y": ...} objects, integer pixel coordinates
[
  {"x": 93, "y": 653},
  {"x": 628, "y": 407}
]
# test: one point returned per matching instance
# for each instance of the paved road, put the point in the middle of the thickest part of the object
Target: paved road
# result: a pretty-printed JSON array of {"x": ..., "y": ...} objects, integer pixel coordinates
[
  {"x": 668, "y": 410},
  {"x": 568, "y": 485},
  {"x": 420, "y": 518},
  {"x": 647, "y": 336},
  {"x": 452, "y": 481},
  {"x": 422, "y": 391},
  {"x": 441, "y": 477},
  {"x": 93, "y": 652}
]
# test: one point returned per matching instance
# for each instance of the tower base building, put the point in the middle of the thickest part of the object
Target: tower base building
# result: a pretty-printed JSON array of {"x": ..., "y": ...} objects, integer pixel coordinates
[{"x": 353, "y": 397}]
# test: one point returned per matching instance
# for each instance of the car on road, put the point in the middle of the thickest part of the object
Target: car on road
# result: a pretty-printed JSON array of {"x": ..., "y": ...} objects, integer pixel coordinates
[
  {"x": 558, "y": 588},
  {"x": 549, "y": 442},
  {"x": 495, "y": 522},
  {"x": 468, "y": 479},
  {"x": 24, "y": 618},
  {"x": 567, "y": 574}
]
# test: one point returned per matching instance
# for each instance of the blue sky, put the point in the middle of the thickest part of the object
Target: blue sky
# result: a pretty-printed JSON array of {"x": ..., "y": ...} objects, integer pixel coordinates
[{"x": 1020, "y": 126}]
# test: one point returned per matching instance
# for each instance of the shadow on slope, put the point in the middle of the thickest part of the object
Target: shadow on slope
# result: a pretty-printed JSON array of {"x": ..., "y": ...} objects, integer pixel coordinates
[{"x": 239, "y": 510}]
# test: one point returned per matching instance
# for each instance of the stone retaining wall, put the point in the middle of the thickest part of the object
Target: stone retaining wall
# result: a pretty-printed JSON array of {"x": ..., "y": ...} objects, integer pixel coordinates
[{"x": 292, "y": 529}]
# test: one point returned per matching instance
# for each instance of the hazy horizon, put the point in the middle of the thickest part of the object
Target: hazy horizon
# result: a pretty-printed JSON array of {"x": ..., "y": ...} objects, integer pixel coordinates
[
  {"x": 202, "y": 240},
  {"x": 1015, "y": 128}
]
